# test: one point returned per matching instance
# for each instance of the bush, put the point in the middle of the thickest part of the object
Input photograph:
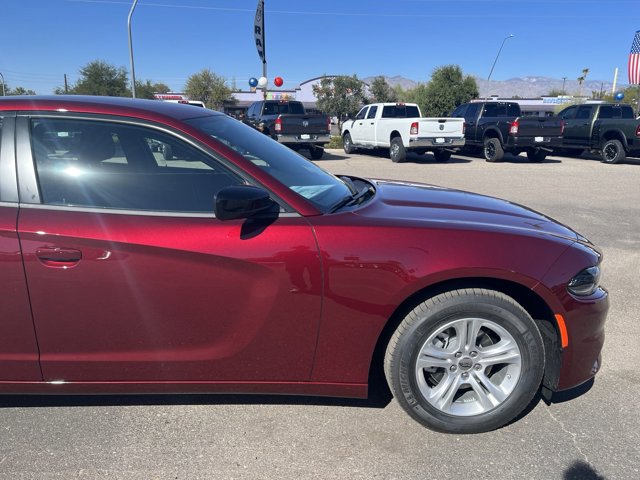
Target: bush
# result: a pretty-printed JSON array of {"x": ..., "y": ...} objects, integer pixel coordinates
[{"x": 335, "y": 142}]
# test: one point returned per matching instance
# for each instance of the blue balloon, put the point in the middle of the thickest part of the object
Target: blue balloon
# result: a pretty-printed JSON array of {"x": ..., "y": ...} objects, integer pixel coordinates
[
  {"x": 253, "y": 82},
  {"x": 619, "y": 96}
]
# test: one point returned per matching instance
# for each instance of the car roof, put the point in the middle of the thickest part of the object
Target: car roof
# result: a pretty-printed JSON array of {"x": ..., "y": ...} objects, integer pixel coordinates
[{"x": 133, "y": 107}]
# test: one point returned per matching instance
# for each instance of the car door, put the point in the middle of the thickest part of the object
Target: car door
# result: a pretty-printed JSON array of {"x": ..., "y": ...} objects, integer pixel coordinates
[
  {"x": 471, "y": 120},
  {"x": 577, "y": 130},
  {"x": 359, "y": 127},
  {"x": 18, "y": 347},
  {"x": 369, "y": 133},
  {"x": 131, "y": 276}
]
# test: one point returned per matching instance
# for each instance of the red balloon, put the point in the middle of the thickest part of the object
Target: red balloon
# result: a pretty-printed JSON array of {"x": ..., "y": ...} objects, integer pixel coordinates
[{"x": 278, "y": 81}]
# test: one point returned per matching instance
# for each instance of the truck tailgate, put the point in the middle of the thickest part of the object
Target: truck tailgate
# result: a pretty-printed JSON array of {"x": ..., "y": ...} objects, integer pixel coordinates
[
  {"x": 301, "y": 124},
  {"x": 539, "y": 127},
  {"x": 441, "y": 127}
]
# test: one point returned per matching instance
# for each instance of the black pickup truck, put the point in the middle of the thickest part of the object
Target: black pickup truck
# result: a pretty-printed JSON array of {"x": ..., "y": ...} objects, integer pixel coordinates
[
  {"x": 498, "y": 127},
  {"x": 607, "y": 129},
  {"x": 286, "y": 122}
]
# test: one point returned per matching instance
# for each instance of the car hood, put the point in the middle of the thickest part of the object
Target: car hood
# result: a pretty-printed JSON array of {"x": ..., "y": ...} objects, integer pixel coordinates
[{"x": 420, "y": 203}]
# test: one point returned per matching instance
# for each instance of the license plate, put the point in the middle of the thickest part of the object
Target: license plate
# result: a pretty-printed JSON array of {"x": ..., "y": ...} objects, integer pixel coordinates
[
  {"x": 305, "y": 136},
  {"x": 439, "y": 140},
  {"x": 539, "y": 139}
]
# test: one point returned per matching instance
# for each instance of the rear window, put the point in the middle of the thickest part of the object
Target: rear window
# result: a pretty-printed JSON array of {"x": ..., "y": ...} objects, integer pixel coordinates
[
  {"x": 616, "y": 111},
  {"x": 400, "y": 111},
  {"x": 277, "y": 108}
]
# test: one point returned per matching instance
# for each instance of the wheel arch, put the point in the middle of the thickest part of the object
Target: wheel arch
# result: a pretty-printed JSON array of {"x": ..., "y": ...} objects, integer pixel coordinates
[
  {"x": 615, "y": 135},
  {"x": 533, "y": 303},
  {"x": 492, "y": 133},
  {"x": 394, "y": 134}
]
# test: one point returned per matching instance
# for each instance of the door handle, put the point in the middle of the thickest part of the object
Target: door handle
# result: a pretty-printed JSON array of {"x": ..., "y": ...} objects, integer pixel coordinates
[{"x": 58, "y": 257}]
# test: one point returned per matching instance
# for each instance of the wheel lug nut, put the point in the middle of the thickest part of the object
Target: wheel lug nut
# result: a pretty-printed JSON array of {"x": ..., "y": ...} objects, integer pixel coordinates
[
  {"x": 478, "y": 366},
  {"x": 465, "y": 375},
  {"x": 453, "y": 368},
  {"x": 458, "y": 354},
  {"x": 473, "y": 354}
]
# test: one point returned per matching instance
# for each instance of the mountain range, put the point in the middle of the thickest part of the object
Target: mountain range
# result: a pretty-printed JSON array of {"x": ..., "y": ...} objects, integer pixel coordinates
[{"x": 524, "y": 87}]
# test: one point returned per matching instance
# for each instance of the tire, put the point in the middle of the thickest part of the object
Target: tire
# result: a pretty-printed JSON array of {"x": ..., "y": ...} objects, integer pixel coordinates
[
  {"x": 492, "y": 150},
  {"x": 167, "y": 152},
  {"x": 486, "y": 393},
  {"x": 316, "y": 152},
  {"x": 536, "y": 155},
  {"x": 347, "y": 144},
  {"x": 442, "y": 156},
  {"x": 397, "y": 152},
  {"x": 613, "y": 152}
]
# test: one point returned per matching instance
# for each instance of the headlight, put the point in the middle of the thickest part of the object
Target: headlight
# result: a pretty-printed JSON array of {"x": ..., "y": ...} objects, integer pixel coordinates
[{"x": 586, "y": 282}]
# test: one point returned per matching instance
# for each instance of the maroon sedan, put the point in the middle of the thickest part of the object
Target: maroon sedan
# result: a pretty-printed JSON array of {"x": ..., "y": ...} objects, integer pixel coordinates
[{"x": 156, "y": 247}]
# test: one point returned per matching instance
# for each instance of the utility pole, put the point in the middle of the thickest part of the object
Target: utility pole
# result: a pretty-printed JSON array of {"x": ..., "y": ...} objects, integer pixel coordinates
[
  {"x": 564, "y": 79},
  {"x": 133, "y": 72},
  {"x": 66, "y": 85}
]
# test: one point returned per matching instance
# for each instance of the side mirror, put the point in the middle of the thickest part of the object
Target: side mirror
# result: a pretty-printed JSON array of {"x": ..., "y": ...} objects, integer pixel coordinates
[{"x": 243, "y": 201}]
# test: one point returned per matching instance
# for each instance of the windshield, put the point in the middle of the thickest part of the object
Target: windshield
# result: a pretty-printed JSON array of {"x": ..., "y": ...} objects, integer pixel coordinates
[{"x": 296, "y": 172}]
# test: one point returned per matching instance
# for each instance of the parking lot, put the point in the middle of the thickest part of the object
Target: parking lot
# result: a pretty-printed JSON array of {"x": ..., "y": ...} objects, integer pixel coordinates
[{"x": 591, "y": 433}]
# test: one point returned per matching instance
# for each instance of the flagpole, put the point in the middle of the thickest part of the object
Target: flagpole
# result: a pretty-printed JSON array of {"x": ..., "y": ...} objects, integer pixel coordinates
[{"x": 264, "y": 57}]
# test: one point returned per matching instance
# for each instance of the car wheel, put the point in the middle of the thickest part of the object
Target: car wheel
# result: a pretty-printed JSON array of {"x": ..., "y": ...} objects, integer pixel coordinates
[
  {"x": 613, "y": 152},
  {"x": 316, "y": 152},
  {"x": 347, "y": 144},
  {"x": 492, "y": 150},
  {"x": 536, "y": 155},
  {"x": 465, "y": 361},
  {"x": 442, "y": 155},
  {"x": 397, "y": 152}
]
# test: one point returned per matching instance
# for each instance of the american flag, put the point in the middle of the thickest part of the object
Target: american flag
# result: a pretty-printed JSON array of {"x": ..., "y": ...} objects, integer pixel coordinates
[{"x": 634, "y": 61}]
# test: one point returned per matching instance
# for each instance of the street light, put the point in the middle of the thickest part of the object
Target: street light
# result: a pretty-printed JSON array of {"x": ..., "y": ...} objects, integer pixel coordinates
[
  {"x": 496, "y": 60},
  {"x": 133, "y": 73}
]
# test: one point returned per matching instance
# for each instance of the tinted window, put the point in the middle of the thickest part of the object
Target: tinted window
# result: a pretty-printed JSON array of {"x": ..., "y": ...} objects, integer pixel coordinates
[
  {"x": 400, "y": 111},
  {"x": 494, "y": 110},
  {"x": 472, "y": 111},
  {"x": 460, "y": 111},
  {"x": 513, "y": 109},
  {"x": 110, "y": 165},
  {"x": 289, "y": 168},
  {"x": 584, "y": 112},
  {"x": 372, "y": 112},
  {"x": 615, "y": 111},
  {"x": 568, "y": 113},
  {"x": 362, "y": 113}
]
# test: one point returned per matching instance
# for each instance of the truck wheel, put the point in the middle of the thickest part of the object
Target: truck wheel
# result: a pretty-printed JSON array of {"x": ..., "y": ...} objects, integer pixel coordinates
[
  {"x": 613, "y": 152},
  {"x": 492, "y": 150},
  {"x": 167, "y": 152},
  {"x": 536, "y": 155},
  {"x": 465, "y": 361},
  {"x": 316, "y": 152},
  {"x": 442, "y": 156},
  {"x": 397, "y": 153},
  {"x": 347, "y": 144}
]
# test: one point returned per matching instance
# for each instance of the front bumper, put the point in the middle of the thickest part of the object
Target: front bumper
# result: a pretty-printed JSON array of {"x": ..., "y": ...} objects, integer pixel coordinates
[
  {"x": 436, "y": 142},
  {"x": 304, "y": 139}
]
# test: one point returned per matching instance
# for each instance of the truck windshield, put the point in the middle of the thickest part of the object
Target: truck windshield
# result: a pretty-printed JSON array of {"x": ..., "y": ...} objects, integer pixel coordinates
[{"x": 291, "y": 169}]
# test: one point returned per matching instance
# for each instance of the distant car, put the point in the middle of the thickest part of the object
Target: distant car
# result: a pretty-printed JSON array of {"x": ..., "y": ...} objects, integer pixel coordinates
[{"x": 239, "y": 266}]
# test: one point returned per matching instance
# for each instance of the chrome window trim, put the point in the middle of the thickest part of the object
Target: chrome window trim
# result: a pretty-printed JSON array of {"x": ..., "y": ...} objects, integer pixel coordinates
[
  {"x": 140, "y": 213},
  {"x": 8, "y": 177}
]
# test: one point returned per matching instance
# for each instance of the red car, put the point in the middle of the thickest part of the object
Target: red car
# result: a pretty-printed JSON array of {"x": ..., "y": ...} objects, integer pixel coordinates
[{"x": 236, "y": 265}]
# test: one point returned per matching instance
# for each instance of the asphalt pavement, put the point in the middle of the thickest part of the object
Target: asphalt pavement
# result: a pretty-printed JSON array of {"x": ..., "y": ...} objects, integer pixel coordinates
[{"x": 591, "y": 433}]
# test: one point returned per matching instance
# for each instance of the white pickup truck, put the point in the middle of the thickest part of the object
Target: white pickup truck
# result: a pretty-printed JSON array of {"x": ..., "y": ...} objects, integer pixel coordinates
[{"x": 401, "y": 128}]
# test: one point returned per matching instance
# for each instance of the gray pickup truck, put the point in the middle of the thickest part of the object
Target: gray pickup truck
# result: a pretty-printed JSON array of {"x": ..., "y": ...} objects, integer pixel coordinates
[
  {"x": 607, "y": 129},
  {"x": 287, "y": 122}
]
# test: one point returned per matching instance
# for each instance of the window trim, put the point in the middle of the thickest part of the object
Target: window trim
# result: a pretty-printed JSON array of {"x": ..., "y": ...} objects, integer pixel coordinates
[
  {"x": 8, "y": 172},
  {"x": 29, "y": 192}
]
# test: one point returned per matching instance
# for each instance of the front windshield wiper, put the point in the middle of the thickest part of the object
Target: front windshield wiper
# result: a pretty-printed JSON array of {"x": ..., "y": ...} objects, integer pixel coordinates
[{"x": 354, "y": 199}]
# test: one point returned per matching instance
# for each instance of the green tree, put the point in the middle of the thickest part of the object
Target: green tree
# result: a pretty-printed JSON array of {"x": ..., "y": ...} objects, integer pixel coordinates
[
  {"x": 581, "y": 79},
  {"x": 381, "y": 91},
  {"x": 146, "y": 89},
  {"x": 100, "y": 78},
  {"x": 556, "y": 92},
  {"x": 447, "y": 89},
  {"x": 340, "y": 96},
  {"x": 209, "y": 88},
  {"x": 17, "y": 91}
]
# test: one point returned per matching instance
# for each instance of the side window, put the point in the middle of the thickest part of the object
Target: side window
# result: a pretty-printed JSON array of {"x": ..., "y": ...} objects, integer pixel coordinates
[
  {"x": 626, "y": 111},
  {"x": 490, "y": 110},
  {"x": 270, "y": 109},
  {"x": 388, "y": 111},
  {"x": 472, "y": 112},
  {"x": 584, "y": 113},
  {"x": 460, "y": 111},
  {"x": 568, "y": 113},
  {"x": 372, "y": 112},
  {"x": 513, "y": 110},
  {"x": 362, "y": 113},
  {"x": 110, "y": 165}
]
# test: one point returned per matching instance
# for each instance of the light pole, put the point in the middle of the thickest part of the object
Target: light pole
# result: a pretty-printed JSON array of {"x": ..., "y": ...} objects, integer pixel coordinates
[
  {"x": 496, "y": 60},
  {"x": 133, "y": 72},
  {"x": 2, "y": 77}
]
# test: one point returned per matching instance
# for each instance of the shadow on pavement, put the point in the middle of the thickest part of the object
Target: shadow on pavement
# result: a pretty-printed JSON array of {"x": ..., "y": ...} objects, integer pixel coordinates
[{"x": 581, "y": 471}]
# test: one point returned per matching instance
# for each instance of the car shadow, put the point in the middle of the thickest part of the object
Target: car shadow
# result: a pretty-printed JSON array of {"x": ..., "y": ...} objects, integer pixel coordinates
[
  {"x": 378, "y": 399},
  {"x": 430, "y": 159},
  {"x": 580, "y": 470},
  {"x": 328, "y": 155}
]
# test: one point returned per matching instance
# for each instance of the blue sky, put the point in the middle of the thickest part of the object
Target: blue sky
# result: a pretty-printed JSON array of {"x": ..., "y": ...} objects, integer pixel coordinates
[{"x": 172, "y": 39}]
